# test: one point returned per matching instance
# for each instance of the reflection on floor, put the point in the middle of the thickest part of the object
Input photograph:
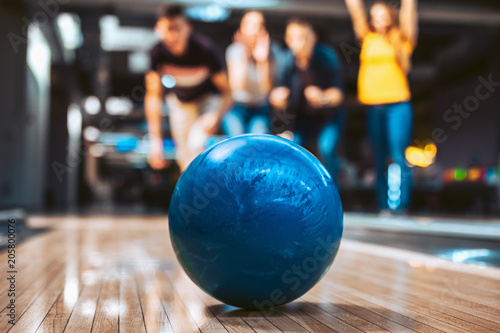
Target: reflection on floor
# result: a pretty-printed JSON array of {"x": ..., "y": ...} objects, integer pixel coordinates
[{"x": 458, "y": 240}]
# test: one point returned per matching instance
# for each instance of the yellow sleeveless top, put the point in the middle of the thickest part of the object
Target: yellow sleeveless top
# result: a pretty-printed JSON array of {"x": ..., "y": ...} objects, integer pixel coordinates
[{"x": 381, "y": 80}]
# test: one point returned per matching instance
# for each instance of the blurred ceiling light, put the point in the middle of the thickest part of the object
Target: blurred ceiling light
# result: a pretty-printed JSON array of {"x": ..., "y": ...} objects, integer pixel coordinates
[
  {"x": 431, "y": 149},
  {"x": 138, "y": 62},
  {"x": 234, "y": 3},
  {"x": 91, "y": 133},
  {"x": 460, "y": 174},
  {"x": 118, "y": 38},
  {"x": 119, "y": 106},
  {"x": 168, "y": 81},
  {"x": 74, "y": 120},
  {"x": 250, "y": 3},
  {"x": 421, "y": 157},
  {"x": 39, "y": 54},
  {"x": 109, "y": 23},
  {"x": 70, "y": 30},
  {"x": 475, "y": 174},
  {"x": 97, "y": 150},
  {"x": 492, "y": 175},
  {"x": 448, "y": 175},
  {"x": 208, "y": 13},
  {"x": 127, "y": 145},
  {"x": 92, "y": 105}
]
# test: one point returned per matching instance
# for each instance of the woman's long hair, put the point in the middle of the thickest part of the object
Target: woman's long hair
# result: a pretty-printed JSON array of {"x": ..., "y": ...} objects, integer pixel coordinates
[
  {"x": 395, "y": 37},
  {"x": 240, "y": 38}
]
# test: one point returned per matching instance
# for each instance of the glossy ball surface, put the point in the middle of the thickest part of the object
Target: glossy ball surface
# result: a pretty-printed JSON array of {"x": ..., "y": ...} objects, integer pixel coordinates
[{"x": 255, "y": 221}]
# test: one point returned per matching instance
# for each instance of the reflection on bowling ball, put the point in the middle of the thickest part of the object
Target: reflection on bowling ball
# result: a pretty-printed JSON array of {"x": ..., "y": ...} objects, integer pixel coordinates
[{"x": 255, "y": 221}]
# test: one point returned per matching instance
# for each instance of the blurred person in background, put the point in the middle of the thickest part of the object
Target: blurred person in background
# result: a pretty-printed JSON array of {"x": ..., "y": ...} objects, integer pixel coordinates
[
  {"x": 200, "y": 96},
  {"x": 250, "y": 63},
  {"x": 309, "y": 94},
  {"x": 387, "y": 43}
]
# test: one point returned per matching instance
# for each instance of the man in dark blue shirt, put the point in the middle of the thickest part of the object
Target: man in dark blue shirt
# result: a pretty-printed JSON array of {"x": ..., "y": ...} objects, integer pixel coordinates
[
  {"x": 308, "y": 96},
  {"x": 199, "y": 93}
]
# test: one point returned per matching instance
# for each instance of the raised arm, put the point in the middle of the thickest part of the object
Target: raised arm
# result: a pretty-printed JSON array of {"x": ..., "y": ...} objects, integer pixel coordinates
[
  {"x": 359, "y": 21},
  {"x": 408, "y": 21}
]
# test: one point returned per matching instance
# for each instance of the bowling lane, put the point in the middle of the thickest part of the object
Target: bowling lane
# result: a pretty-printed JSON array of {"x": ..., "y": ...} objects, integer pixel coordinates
[
  {"x": 454, "y": 239},
  {"x": 119, "y": 274}
]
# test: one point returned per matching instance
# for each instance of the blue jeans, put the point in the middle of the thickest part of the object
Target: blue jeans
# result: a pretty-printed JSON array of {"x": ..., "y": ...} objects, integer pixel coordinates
[
  {"x": 326, "y": 143},
  {"x": 243, "y": 119},
  {"x": 390, "y": 127}
]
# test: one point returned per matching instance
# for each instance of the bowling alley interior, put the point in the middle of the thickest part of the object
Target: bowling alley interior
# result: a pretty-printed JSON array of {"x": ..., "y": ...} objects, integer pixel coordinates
[{"x": 249, "y": 166}]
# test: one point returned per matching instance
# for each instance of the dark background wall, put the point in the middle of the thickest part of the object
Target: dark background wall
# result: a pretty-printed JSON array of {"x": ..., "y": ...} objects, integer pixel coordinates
[{"x": 13, "y": 117}]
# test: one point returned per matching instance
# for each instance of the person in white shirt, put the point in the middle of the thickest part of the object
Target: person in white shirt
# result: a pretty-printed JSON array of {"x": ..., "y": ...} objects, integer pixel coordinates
[{"x": 250, "y": 70}]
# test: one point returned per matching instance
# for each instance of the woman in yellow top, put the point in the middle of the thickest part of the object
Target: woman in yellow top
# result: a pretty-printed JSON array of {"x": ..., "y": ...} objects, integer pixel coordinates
[{"x": 387, "y": 42}]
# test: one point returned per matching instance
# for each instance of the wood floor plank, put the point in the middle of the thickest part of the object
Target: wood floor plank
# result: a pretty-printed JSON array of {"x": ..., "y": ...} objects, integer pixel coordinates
[
  {"x": 348, "y": 317},
  {"x": 381, "y": 309},
  {"x": 77, "y": 275},
  {"x": 261, "y": 325},
  {"x": 294, "y": 312},
  {"x": 38, "y": 310},
  {"x": 329, "y": 320},
  {"x": 82, "y": 317},
  {"x": 29, "y": 294},
  {"x": 236, "y": 325},
  {"x": 29, "y": 267},
  {"x": 176, "y": 310},
  {"x": 108, "y": 307},
  {"x": 57, "y": 318},
  {"x": 204, "y": 319},
  {"x": 38, "y": 249},
  {"x": 119, "y": 274},
  {"x": 394, "y": 304},
  {"x": 430, "y": 277},
  {"x": 131, "y": 316},
  {"x": 367, "y": 311},
  {"x": 284, "y": 323},
  {"x": 435, "y": 310},
  {"x": 432, "y": 305},
  {"x": 155, "y": 318}
]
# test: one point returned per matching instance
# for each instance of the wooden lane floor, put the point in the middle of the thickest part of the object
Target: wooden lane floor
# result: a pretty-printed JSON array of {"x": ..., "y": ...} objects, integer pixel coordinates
[{"x": 119, "y": 274}]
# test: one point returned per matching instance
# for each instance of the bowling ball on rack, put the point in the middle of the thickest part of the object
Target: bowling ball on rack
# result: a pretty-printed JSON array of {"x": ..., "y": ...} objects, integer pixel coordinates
[{"x": 255, "y": 221}]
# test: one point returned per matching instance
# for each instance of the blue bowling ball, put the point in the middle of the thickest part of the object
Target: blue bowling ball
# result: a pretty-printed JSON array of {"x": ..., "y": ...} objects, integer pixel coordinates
[{"x": 255, "y": 221}]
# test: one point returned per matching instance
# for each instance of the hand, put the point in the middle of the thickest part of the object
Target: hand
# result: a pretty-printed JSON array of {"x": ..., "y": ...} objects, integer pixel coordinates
[
  {"x": 261, "y": 50},
  {"x": 156, "y": 159},
  {"x": 287, "y": 135},
  {"x": 279, "y": 97},
  {"x": 210, "y": 122},
  {"x": 238, "y": 37},
  {"x": 354, "y": 3},
  {"x": 315, "y": 97}
]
